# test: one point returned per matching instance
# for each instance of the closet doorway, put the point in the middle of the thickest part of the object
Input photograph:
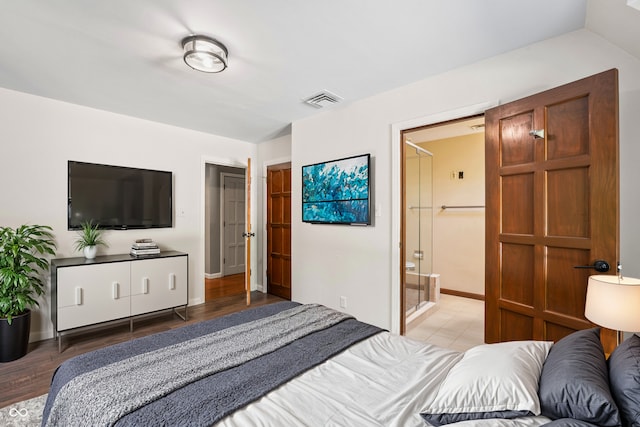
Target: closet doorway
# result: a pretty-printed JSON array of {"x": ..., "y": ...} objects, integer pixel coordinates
[
  {"x": 442, "y": 215},
  {"x": 225, "y": 213}
]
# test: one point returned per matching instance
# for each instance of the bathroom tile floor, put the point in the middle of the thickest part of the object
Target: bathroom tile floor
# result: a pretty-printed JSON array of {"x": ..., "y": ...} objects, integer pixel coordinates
[{"x": 454, "y": 322}]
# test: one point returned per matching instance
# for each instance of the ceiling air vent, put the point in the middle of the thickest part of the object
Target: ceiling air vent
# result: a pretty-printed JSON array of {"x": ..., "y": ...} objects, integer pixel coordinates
[{"x": 323, "y": 99}]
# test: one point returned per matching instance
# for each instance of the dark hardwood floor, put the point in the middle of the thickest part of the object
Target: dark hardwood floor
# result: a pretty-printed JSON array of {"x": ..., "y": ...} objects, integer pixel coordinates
[
  {"x": 224, "y": 286},
  {"x": 31, "y": 375}
]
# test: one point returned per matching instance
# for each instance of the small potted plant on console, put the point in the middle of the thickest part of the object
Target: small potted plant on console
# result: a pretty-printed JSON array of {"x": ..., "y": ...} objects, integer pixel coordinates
[
  {"x": 22, "y": 263},
  {"x": 89, "y": 237}
]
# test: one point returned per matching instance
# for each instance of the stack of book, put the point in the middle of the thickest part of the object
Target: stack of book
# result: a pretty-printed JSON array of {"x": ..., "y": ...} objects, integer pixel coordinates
[{"x": 144, "y": 247}]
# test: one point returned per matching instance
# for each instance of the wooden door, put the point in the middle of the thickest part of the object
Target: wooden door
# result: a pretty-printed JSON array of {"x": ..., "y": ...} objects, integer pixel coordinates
[
  {"x": 279, "y": 230},
  {"x": 248, "y": 234},
  {"x": 552, "y": 204}
]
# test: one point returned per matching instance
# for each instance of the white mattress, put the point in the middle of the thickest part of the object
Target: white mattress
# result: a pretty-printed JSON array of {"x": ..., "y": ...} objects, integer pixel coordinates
[{"x": 385, "y": 380}]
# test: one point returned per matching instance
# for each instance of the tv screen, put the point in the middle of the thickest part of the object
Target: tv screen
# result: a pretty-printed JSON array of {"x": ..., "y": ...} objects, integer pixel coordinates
[
  {"x": 116, "y": 197},
  {"x": 337, "y": 192}
]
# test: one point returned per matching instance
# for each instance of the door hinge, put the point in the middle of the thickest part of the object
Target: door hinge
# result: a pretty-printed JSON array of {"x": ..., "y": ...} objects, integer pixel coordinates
[{"x": 537, "y": 133}]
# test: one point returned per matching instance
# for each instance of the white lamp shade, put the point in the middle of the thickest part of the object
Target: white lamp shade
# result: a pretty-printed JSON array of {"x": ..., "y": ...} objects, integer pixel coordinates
[{"x": 614, "y": 303}]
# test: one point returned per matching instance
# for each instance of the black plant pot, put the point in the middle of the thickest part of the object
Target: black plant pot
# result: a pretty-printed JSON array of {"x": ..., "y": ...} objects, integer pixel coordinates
[{"x": 14, "y": 337}]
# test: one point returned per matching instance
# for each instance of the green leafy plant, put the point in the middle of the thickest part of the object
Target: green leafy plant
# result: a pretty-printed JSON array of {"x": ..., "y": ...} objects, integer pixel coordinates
[
  {"x": 22, "y": 263},
  {"x": 89, "y": 235}
]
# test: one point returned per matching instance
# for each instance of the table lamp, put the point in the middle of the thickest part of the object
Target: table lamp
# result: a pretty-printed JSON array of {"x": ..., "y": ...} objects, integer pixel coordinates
[{"x": 614, "y": 302}]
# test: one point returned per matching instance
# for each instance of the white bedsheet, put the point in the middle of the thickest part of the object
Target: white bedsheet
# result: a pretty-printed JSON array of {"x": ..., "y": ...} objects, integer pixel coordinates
[{"x": 385, "y": 381}]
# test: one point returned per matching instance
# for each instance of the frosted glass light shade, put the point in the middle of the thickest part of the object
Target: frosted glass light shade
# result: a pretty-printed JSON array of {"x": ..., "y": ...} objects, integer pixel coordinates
[
  {"x": 614, "y": 303},
  {"x": 204, "y": 54}
]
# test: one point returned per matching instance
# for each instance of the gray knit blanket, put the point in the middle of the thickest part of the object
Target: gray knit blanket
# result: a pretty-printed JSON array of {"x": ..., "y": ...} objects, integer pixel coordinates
[{"x": 161, "y": 386}]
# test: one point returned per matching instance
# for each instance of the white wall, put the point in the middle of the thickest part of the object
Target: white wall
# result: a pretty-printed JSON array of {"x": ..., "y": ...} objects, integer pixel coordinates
[
  {"x": 333, "y": 261},
  {"x": 458, "y": 236},
  {"x": 39, "y": 135}
]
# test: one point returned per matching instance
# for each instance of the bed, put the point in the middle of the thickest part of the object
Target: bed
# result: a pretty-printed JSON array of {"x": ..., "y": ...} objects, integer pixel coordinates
[{"x": 288, "y": 364}]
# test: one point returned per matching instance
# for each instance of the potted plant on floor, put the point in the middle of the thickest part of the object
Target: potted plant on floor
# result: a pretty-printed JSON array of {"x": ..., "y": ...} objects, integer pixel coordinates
[
  {"x": 22, "y": 263},
  {"x": 89, "y": 237}
]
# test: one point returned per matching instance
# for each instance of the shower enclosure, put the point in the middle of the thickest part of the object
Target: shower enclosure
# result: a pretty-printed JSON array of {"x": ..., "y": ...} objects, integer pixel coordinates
[{"x": 418, "y": 229}]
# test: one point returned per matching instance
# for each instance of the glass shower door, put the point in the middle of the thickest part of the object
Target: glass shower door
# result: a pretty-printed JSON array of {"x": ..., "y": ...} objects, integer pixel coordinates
[{"x": 418, "y": 226}]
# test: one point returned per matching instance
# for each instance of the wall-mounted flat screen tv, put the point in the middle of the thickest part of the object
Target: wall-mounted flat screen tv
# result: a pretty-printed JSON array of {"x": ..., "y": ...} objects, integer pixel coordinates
[
  {"x": 337, "y": 191},
  {"x": 116, "y": 197}
]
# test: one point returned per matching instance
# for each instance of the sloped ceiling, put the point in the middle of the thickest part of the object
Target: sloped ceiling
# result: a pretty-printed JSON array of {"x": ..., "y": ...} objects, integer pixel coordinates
[
  {"x": 616, "y": 22},
  {"x": 126, "y": 56}
]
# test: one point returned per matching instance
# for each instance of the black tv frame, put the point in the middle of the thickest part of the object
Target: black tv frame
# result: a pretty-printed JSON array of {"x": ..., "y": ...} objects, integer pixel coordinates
[
  {"x": 119, "y": 226},
  {"x": 329, "y": 163}
]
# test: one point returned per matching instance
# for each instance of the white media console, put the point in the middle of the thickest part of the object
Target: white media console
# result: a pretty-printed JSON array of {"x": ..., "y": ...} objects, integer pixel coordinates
[{"x": 87, "y": 292}]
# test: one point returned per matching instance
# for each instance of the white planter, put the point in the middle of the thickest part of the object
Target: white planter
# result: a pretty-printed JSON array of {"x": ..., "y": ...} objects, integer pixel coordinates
[{"x": 90, "y": 252}]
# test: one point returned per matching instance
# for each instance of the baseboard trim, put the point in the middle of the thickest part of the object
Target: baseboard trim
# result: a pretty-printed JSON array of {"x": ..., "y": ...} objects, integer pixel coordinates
[
  {"x": 195, "y": 301},
  {"x": 212, "y": 275},
  {"x": 35, "y": 336},
  {"x": 462, "y": 294}
]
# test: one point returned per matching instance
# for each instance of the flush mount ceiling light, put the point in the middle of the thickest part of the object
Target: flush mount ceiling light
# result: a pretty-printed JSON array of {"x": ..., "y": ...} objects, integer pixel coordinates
[{"x": 204, "y": 54}]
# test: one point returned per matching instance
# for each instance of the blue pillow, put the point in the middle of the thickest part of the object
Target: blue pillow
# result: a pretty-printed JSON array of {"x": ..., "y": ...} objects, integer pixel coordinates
[
  {"x": 575, "y": 382},
  {"x": 624, "y": 380}
]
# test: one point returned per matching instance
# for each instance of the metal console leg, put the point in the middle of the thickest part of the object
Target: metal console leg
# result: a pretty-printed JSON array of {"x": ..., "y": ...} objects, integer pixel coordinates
[{"x": 183, "y": 317}]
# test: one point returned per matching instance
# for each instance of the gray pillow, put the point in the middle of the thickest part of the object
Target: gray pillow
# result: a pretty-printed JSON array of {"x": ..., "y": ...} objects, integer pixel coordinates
[
  {"x": 568, "y": 422},
  {"x": 574, "y": 382},
  {"x": 438, "y": 420},
  {"x": 624, "y": 379}
]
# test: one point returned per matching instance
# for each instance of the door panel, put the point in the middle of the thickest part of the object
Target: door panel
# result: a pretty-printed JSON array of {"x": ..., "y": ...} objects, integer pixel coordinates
[
  {"x": 234, "y": 225},
  {"x": 515, "y": 135},
  {"x": 517, "y": 273},
  {"x": 279, "y": 230},
  {"x": 552, "y": 204},
  {"x": 517, "y": 207},
  {"x": 568, "y": 202}
]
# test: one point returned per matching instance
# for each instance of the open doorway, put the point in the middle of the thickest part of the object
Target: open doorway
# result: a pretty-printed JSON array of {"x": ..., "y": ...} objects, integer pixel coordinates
[
  {"x": 442, "y": 224},
  {"x": 225, "y": 195}
]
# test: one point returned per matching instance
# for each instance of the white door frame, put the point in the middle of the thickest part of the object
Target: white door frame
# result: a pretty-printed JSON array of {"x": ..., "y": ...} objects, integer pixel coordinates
[{"x": 396, "y": 186}]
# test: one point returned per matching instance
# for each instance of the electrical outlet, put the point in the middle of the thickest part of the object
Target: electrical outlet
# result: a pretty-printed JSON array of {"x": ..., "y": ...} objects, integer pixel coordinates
[
  {"x": 343, "y": 302},
  {"x": 453, "y": 175}
]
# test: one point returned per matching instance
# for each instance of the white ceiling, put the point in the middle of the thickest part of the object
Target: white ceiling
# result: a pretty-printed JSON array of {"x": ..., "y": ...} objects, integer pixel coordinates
[
  {"x": 444, "y": 131},
  {"x": 125, "y": 56}
]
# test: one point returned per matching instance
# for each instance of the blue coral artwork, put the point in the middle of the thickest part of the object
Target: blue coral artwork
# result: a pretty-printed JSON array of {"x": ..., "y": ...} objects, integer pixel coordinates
[{"x": 336, "y": 192}]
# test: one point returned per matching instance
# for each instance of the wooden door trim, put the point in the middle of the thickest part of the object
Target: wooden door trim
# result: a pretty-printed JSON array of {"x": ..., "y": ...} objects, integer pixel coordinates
[{"x": 403, "y": 227}]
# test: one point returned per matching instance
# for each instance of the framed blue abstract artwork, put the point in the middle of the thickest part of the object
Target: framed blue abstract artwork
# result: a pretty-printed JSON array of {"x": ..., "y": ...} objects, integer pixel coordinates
[{"x": 337, "y": 191}]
